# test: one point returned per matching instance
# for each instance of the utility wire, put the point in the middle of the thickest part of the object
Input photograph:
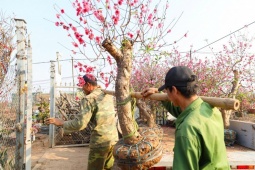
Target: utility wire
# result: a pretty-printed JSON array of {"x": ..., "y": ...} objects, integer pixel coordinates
[
  {"x": 196, "y": 51},
  {"x": 224, "y": 37}
]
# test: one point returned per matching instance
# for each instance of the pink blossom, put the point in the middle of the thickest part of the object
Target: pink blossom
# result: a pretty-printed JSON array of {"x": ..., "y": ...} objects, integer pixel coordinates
[
  {"x": 120, "y": 2},
  {"x": 62, "y": 11},
  {"x": 98, "y": 40},
  {"x": 106, "y": 79},
  {"x": 74, "y": 29},
  {"x": 75, "y": 44},
  {"x": 79, "y": 64},
  {"x": 89, "y": 69},
  {"x": 57, "y": 23},
  {"x": 117, "y": 12},
  {"x": 86, "y": 7},
  {"x": 102, "y": 75},
  {"x": 91, "y": 36},
  {"x": 109, "y": 60},
  {"x": 98, "y": 14},
  {"x": 167, "y": 5},
  {"x": 58, "y": 16},
  {"x": 81, "y": 41},
  {"x": 130, "y": 35},
  {"x": 81, "y": 81},
  {"x": 115, "y": 21},
  {"x": 65, "y": 27},
  {"x": 74, "y": 52},
  {"x": 86, "y": 31}
]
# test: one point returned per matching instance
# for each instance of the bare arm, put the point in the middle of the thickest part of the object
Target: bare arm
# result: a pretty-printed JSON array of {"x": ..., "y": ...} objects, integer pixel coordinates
[
  {"x": 55, "y": 121},
  {"x": 148, "y": 91}
]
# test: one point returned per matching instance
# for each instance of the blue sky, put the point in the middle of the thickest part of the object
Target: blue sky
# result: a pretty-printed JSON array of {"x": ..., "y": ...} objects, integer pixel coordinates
[{"x": 208, "y": 19}]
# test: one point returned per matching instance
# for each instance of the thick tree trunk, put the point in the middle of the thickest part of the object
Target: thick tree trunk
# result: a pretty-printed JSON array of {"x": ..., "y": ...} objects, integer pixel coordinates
[
  {"x": 122, "y": 89},
  {"x": 133, "y": 151}
]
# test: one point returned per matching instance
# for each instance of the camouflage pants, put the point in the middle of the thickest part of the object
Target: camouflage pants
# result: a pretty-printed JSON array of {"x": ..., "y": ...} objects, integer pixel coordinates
[{"x": 100, "y": 158}]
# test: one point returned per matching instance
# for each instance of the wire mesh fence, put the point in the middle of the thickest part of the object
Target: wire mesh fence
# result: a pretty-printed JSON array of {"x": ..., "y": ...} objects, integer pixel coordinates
[
  {"x": 67, "y": 108},
  {"x": 9, "y": 104},
  {"x": 161, "y": 117}
]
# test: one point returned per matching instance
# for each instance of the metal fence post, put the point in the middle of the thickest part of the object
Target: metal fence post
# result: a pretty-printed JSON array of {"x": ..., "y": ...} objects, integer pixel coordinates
[
  {"x": 20, "y": 33},
  {"x": 52, "y": 102},
  {"x": 29, "y": 106}
]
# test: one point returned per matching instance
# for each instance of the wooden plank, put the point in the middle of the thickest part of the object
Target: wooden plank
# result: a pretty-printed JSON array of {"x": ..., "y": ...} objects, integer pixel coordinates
[{"x": 245, "y": 133}]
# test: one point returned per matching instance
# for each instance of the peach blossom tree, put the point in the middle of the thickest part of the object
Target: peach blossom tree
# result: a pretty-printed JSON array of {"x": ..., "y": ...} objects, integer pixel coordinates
[
  {"x": 228, "y": 73},
  {"x": 114, "y": 33},
  {"x": 6, "y": 44},
  {"x": 149, "y": 72}
]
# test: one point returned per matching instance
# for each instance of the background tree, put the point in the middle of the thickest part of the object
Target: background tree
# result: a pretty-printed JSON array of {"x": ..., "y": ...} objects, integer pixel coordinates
[
  {"x": 228, "y": 73},
  {"x": 6, "y": 44},
  {"x": 147, "y": 72}
]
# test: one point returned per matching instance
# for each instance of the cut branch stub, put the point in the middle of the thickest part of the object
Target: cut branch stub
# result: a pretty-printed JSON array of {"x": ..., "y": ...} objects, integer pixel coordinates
[{"x": 113, "y": 50}]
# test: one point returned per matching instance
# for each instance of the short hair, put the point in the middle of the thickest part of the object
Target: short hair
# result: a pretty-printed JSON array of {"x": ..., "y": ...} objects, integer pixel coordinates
[
  {"x": 187, "y": 92},
  {"x": 91, "y": 79}
]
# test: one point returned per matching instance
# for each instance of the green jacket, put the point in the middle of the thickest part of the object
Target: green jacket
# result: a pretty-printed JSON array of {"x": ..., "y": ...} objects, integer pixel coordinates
[
  {"x": 98, "y": 108},
  {"x": 199, "y": 137}
]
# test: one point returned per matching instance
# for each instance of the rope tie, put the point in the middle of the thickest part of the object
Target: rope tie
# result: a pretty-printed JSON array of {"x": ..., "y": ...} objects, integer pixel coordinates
[
  {"x": 125, "y": 101},
  {"x": 133, "y": 102}
]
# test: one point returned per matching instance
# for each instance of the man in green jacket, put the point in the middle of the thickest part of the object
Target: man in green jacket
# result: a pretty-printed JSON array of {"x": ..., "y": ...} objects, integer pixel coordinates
[
  {"x": 199, "y": 136},
  {"x": 98, "y": 108}
]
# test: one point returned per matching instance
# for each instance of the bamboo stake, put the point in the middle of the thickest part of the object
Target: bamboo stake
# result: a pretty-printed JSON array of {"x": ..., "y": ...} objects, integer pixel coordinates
[{"x": 224, "y": 103}]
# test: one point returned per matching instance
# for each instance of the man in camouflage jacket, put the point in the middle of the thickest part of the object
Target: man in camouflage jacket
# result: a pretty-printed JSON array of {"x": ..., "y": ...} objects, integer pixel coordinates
[{"x": 98, "y": 108}]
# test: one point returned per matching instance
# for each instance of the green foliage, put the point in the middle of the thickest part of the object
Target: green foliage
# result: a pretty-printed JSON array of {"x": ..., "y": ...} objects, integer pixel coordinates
[
  {"x": 42, "y": 116},
  {"x": 44, "y": 109}
]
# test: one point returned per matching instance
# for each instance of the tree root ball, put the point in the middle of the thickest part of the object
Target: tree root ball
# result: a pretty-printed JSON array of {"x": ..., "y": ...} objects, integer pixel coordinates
[{"x": 141, "y": 155}]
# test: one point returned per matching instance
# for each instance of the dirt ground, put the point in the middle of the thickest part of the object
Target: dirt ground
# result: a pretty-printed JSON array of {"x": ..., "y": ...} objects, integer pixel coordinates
[
  {"x": 244, "y": 117},
  {"x": 73, "y": 158}
]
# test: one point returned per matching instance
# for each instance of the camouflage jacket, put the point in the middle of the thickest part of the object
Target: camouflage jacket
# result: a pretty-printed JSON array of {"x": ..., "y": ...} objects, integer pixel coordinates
[{"x": 98, "y": 108}]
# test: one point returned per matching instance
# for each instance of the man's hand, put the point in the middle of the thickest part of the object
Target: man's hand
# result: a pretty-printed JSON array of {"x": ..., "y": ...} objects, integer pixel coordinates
[
  {"x": 55, "y": 121},
  {"x": 149, "y": 91}
]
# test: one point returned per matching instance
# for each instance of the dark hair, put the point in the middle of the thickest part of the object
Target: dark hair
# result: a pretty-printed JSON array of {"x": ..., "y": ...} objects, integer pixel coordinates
[
  {"x": 186, "y": 91},
  {"x": 93, "y": 83},
  {"x": 91, "y": 79}
]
